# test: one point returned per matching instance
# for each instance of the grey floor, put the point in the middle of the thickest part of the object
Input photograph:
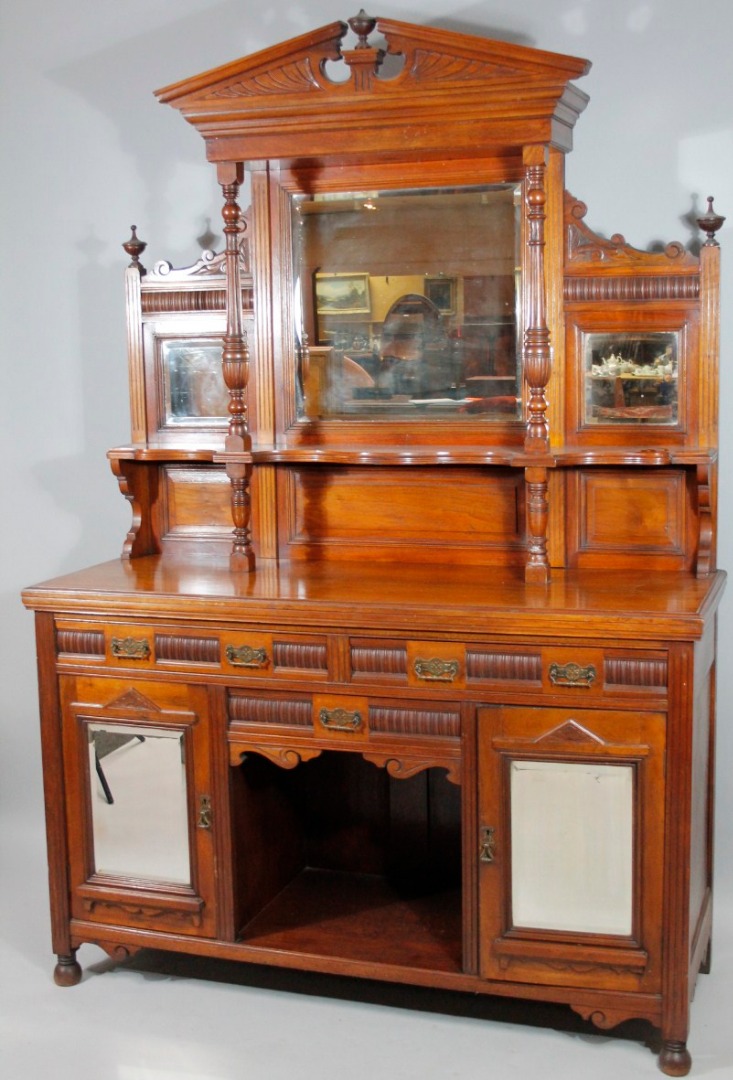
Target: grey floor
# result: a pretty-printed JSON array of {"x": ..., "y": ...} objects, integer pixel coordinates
[{"x": 162, "y": 1017}]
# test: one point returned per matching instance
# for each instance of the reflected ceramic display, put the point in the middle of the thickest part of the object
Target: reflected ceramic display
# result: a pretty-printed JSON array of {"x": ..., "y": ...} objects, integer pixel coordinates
[{"x": 631, "y": 378}]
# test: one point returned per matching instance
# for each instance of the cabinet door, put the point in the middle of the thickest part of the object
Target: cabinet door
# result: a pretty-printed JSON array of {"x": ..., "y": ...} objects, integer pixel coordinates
[
  {"x": 571, "y": 838},
  {"x": 138, "y": 804}
]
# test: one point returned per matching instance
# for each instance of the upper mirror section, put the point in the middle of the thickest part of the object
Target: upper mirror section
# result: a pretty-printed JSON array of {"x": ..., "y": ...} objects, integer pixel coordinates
[{"x": 409, "y": 302}]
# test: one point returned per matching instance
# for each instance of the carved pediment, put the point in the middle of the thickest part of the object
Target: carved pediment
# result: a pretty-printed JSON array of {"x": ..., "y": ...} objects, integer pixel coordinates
[
  {"x": 570, "y": 732},
  {"x": 430, "y": 56},
  {"x": 302, "y": 75},
  {"x": 133, "y": 701}
]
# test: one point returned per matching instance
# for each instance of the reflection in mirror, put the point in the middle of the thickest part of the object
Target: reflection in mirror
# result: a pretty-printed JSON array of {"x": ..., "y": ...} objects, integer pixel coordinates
[
  {"x": 409, "y": 302},
  {"x": 138, "y": 799},
  {"x": 194, "y": 391},
  {"x": 572, "y": 846},
  {"x": 631, "y": 378}
]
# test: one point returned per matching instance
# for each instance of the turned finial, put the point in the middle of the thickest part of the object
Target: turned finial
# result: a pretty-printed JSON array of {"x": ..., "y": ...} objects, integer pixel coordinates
[
  {"x": 362, "y": 25},
  {"x": 134, "y": 248},
  {"x": 710, "y": 223}
]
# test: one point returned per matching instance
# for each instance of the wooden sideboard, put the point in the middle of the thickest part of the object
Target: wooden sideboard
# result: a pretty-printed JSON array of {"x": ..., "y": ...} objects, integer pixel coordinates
[{"x": 407, "y": 669}]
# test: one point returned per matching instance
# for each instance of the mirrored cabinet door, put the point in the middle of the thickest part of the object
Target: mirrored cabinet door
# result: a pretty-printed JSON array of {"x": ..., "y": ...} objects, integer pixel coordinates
[
  {"x": 140, "y": 796},
  {"x": 139, "y": 800},
  {"x": 566, "y": 883}
]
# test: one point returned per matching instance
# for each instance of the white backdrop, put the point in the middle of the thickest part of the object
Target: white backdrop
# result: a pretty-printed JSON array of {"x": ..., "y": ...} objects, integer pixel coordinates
[{"x": 87, "y": 151}]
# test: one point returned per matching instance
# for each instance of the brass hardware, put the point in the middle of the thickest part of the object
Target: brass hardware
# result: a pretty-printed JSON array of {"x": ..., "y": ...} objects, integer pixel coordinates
[
  {"x": 130, "y": 648},
  {"x": 341, "y": 720},
  {"x": 246, "y": 656},
  {"x": 205, "y": 812},
  {"x": 436, "y": 670},
  {"x": 572, "y": 675},
  {"x": 488, "y": 845}
]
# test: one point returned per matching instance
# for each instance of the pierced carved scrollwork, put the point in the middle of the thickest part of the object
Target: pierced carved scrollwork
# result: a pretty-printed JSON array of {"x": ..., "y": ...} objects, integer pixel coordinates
[
  {"x": 605, "y": 1018},
  {"x": 283, "y": 756},
  {"x": 118, "y": 952},
  {"x": 403, "y": 768},
  {"x": 585, "y": 246}
]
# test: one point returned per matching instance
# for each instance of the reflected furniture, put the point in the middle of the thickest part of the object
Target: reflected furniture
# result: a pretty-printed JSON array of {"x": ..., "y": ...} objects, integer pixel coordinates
[{"x": 407, "y": 668}]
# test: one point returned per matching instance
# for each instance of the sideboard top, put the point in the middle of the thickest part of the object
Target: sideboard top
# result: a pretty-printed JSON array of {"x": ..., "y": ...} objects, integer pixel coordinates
[{"x": 427, "y": 599}]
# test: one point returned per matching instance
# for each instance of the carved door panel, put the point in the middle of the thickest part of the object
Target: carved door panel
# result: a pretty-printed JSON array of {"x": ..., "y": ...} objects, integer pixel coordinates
[
  {"x": 138, "y": 804},
  {"x": 571, "y": 807}
]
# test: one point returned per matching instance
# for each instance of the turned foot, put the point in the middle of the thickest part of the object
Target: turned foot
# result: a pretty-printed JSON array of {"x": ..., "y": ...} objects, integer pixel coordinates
[
  {"x": 67, "y": 972},
  {"x": 675, "y": 1059}
]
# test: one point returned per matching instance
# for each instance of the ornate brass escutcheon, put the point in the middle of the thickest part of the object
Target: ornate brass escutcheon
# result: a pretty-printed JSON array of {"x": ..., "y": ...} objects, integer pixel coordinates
[
  {"x": 341, "y": 720},
  {"x": 572, "y": 675},
  {"x": 436, "y": 670},
  {"x": 130, "y": 648},
  {"x": 488, "y": 844},
  {"x": 205, "y": 812},
  {"x": 246, "y": 656}
]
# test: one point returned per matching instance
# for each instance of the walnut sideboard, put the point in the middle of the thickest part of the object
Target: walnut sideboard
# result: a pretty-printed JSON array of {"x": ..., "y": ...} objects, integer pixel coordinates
[{"x": 407, "y": 669}]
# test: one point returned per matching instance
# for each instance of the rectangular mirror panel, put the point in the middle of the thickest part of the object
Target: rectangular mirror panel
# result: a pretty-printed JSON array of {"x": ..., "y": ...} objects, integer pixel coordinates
[
  {"x": 572, "y": 846},
  {"x": 138, "y": 799},
  {"x": 409, "y": 303},
  {"x": 631, "y": 378},
  {"x": 194, "y": 392}
]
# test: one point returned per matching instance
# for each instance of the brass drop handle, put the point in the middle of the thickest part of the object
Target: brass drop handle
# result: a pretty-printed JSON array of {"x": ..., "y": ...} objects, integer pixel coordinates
[
  {"x": 130, "y": 648},
  {"x": 246, "y": 656},
  {"x": 572, "y": 675},
  {"x": 488, "y": 844},
  {"x": 205, "y": 812},
  {"x": 341, "y": 720},
  {"x": 436, "y": 670}
]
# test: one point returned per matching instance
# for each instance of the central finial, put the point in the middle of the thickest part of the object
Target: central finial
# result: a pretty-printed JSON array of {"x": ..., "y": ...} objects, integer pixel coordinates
[{"x": 362, "y": 25}]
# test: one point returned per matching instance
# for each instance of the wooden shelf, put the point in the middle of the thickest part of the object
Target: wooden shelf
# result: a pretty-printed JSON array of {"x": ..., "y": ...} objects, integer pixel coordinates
[{"x": 361, "y": 917}]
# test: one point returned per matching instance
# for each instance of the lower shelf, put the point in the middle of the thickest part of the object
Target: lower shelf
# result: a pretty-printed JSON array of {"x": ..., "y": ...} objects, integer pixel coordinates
[{"x": 364, "y": 918}]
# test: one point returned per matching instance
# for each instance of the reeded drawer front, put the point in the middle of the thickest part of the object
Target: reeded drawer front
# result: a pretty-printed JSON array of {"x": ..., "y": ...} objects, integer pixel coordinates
[
  {"x": 239, "y": 652},
  {"x": 579, "y": 672},
  {"x": 324, "y": 715}
]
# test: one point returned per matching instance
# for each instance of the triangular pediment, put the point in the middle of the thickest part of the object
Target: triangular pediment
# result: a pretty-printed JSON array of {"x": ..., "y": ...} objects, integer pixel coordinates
[
  {"x": 431, "y": 56},
  {"x": 416, "y": 71}
]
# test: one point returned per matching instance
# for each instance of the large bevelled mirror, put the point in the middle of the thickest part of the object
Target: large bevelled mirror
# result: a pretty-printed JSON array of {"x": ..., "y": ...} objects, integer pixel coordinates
[
  {"x": 408, "y": 303},
  {"x": 139, "y": 802}
]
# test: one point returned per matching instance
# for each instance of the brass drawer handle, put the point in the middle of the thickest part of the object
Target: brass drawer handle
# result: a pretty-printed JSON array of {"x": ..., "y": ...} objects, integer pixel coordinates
[
  {"x": 341, "y": 720},
  {"x": 488, "y": 845},
  {"x": 572, "y": 675},
  {"x": 246, "y": 656},
  {"x": 130, "y": 648},
  {"x": 436, "y": 670}
]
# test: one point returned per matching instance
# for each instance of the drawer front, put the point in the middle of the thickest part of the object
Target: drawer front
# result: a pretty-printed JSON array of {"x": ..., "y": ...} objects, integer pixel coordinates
[
  {"x": 402, "y": 736},
  {"x": 143, "y": 647}
]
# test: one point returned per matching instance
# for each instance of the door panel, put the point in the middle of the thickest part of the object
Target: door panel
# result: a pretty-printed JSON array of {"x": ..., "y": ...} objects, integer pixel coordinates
[{"x": 571, "y": 807}]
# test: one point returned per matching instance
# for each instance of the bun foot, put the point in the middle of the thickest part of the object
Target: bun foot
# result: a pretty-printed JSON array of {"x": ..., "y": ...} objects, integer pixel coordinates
[
  {"x": 67, "y": 972},
  {"x": 675, "y": 1059}
]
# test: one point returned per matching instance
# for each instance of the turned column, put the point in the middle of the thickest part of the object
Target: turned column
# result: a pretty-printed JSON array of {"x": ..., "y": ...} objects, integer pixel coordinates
[
  {"x": 536, "y": 365},
  {"x": 235, "y": 367}
]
